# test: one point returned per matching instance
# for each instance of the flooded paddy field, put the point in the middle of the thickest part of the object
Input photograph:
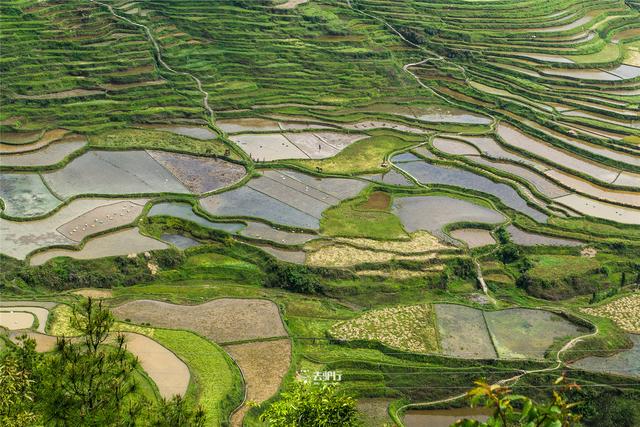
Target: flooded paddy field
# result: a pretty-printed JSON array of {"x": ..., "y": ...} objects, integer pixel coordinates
[
  {"x": 599, "y": 209},
  {"x": 293, "y": 256},
  {"x": 432, "y": 213},
  {"x": 123, "y": 242},
  {"x": 196, "y": 132},
  {"x": 185, "y": 211},
  {"x": 392, "y": 177},
  {"x": 525, "y": 238},
  {"x": 434, "y": 174},
  {"x": 17, "y": 239},
  {"x": 49, "y": 155},
  {"x": 463, "y": 332},
  {"x": 284, "y": 197},
  {"x": 179, "y": 241},
  {"x": 14, "y": 313},
  {"x": 44, "y": 342},
  {"x": 625, "y": 363},
  {"x": 14, "y": 319},
  {"x": 262, "y": 231},
  {"x": 101, "y": 219},
  {"x": 586, "y": 187},
  {"x": 435, "y": 113},
  {"x": 113, "y": 172},
  {"x": 527, "y": 334},
  {"x": 542, "y": 184},
  {"x": 473, "y": 237},
  {"x": 451, "y": 146},
  {"x": 515, "y": 137},
  {"x": 26, "y": 195},
  {"x": 302, "y": 145}
]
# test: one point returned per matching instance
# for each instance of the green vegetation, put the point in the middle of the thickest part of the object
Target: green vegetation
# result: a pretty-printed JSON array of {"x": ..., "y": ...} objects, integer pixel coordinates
[
  {"x": 312, "y": 406},
  {"x": 154, "y": 140},
  {"x": 363, "y": 218}
]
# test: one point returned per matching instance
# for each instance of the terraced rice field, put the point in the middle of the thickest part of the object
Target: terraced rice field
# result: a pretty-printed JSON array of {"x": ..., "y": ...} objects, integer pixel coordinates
[
  {"x": 432, "y": 213},
  {"x": 283, "y": 197},
  {"x": 347, "y": 137},
  {"x": 626, "y": 363},
  {"x": 124, "y": 242}
]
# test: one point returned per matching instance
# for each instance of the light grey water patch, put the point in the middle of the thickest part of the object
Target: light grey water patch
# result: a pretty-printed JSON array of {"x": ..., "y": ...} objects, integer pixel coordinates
[
  {"x": 262, "y": 231},
  {"x": 49, "y": 155},
  {"x": 625, "y": 363},
  {"x": 185, "y": 211},
  {"x": 179, "y": 241},
  {"x": 195, "y": 132},
  {"x": 25, "y": 195},
  {"x": 392, "y": 177},
  {"x": 405, "y": 157},
  {"x": 525, "y": 238},
  {"x": 432, "y": 213},
  {"x": 113, "y": 172},
  {"x": 463, "y": 332},
  {"x": 434, "y": 174}
]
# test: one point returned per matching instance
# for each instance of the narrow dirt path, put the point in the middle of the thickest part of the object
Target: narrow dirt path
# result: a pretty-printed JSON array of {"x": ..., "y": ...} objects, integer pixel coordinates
[{"x": 158, "y": 56}]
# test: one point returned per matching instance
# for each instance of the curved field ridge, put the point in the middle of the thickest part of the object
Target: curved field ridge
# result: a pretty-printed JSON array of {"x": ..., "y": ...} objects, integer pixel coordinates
[
  {"x": 222, "y": 320},
  {"x": 167, "y": 371}
]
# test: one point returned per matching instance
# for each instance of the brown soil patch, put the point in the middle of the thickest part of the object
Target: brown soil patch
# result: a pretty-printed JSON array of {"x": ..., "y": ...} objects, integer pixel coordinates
[
  {"x": 47, "y": 138},
  {"x": 170, "y": 374},
  {"x": 199, "y": 174},
  {"x": 589, "y": 252},
  {"x": 222, "y": 320},
  {"x": 263, "y": 365},
  {"x": 73, "y": 93},
  {"x": 378, "y": 200},
  {"x": 94, "y": 293},
  {"x": 44, "y": 342}
]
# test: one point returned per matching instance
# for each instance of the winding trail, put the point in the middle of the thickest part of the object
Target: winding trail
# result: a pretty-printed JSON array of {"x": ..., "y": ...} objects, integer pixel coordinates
[{"x": 158, "y": 56}]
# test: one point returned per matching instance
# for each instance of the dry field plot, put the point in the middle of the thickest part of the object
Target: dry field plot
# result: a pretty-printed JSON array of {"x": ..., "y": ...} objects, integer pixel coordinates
[
  {"x": 44, "y": 342},
  {"x": 625, "y": 312},
  {"x": 222, "y": 320},
  {"x": 15, "y": 319},
  {"x": 263, "y": 365},
  {"x": 199, "y": 174},
  {"x": 38, "y": 141},
  {"x": 94, "y": 293},
  {"x": 101, "y": 219},
  {"x": 347, "y": 256},
  {"x": 409, "y": 328},
  {"x": 167, "y": 371}
]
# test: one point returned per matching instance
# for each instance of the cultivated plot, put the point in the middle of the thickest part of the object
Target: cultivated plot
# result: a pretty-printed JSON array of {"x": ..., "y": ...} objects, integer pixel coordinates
[
  {"x": 473, "y": 237},
  {"x": 283, "y": 197},
  {"x": 185, "y": 211},
  {"x": 625, "y": 363},
  {"x": 264, "y": 365},
  {"x": 199, "y": 174},
  {"x": 49, "y": 155},
  {"x": 223, "y": 320}
]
